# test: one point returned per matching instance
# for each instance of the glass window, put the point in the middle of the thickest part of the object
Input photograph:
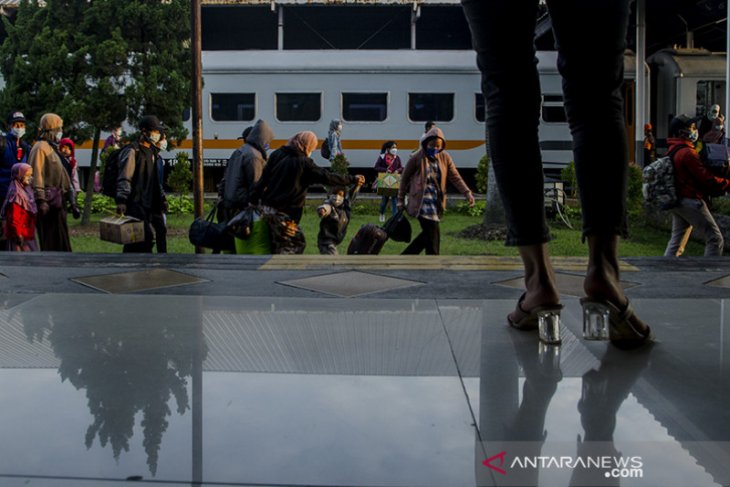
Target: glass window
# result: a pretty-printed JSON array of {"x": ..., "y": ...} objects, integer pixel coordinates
[
  {"x": 553, "y": 109},
  {"x": 298, "y": 107},
  {"x": 710, "y": 93},
  {"x": 364, "y": 107},
  {"x": 438, "y": 107},
  {"x": 230, "y": 107},
  {"x": 479, "y": 106}
]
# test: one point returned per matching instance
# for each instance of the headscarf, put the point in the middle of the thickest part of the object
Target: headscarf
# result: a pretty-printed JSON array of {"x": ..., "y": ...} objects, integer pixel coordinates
[
  {"x": 70, "y": 143},
  {"x": 334, "y": 125},
  {"x": 17, "y": 193},
  {"x": 49, "y": 123},
  {"x": 304, "y": 142}
]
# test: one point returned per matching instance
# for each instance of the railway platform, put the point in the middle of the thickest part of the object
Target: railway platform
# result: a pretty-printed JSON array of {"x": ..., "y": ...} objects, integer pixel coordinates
[{"x": 354, "y": 371}]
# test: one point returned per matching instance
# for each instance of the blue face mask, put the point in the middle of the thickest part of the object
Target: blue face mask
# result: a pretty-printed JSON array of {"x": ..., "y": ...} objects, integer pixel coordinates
[
  {"x": 431, "y": 152},
  {"x": 693, "y": 136}
]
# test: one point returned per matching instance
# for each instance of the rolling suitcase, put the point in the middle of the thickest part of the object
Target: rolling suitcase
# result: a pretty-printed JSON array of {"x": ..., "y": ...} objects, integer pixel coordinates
[{"x": 369, "y": 240}]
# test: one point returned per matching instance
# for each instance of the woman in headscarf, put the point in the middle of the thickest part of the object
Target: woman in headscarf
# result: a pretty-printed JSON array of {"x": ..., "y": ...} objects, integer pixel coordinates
[
  {"x": 19, "y": 211},
  {"x": 288, "y": 174},
  {"x": 51, "y": 186}
]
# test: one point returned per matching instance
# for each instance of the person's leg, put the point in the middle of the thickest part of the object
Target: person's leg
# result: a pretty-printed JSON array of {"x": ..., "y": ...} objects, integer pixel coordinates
[
  {"x": 393, "y": 205},
  {"x": 158, "y": 224},
  {"x": 519, "y": 173},
  {"x": 679, "y": 230},
  {"x": 419, "y": 243},
  {"x": 695, "y": 213},
  {"x": 432, "y": 238},
  {"x": 383, "y": 204},
  {"x": 146, "y": 245}
]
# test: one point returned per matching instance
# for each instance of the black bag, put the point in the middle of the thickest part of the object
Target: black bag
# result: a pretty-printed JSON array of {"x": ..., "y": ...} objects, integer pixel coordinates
[
  {"x": 111, "y": 171},
  {"x": 398, "y": 227},
  {"x": 205, "y": 233},
  {"x": 716, "y": 158},
  {"x": 325, "y": 150},
  {"x": 241, "y": 224},
  {"x": 369, "y": 240}
]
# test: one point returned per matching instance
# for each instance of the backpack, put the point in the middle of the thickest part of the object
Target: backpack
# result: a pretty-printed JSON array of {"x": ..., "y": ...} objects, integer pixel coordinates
[
  {"x": 660, "y": 192},
  {"x": 111, "y": 171},
  {"x": 325, "y": 151},
  {"x": 716, "y": 158}
]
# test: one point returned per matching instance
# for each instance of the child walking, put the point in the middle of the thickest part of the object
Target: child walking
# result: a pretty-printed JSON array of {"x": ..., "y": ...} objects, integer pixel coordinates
[
  {"x": 19, "y": 211},
  {"x": 334, "y": 216}
]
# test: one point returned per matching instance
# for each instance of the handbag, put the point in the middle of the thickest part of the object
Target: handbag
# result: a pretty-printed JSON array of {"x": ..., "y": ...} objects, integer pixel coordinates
[
  {"x": 204, "y": 232},
  {"x": 398, "y": 227},
  {"x": 388, "y": 183}
]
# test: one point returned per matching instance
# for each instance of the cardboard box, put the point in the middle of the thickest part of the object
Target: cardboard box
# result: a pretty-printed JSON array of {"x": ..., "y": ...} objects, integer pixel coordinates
[
  {"x": 388, "y": 184},
  {"x": 121, "y": 229}
]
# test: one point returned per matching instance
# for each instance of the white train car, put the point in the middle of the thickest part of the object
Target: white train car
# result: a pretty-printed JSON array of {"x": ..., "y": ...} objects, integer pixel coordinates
[{"x": 380, "y": 95}]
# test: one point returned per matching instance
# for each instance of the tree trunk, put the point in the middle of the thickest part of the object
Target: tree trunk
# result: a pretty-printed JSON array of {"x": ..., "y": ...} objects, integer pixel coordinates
[
  {"x": 494, "y": 216},
  {"x": 86, "y": 217}
]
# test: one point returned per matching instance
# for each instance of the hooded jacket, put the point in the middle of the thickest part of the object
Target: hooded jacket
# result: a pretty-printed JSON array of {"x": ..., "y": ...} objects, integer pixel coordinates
[
  {"x": 8, "y": 158},
  {"x": 691, "y": 178},
  {"x": 413, "y": 181},
  {"x": 245, "y": 167},
  {"x": 333, "y": 139}
]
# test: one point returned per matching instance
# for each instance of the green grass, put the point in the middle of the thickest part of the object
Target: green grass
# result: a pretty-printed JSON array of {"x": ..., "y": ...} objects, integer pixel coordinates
[{"x": 644, "y": 240}]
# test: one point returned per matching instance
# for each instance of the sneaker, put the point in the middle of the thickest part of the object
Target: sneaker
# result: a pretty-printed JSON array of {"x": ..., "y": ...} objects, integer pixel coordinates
[{"x": 382, "y": 218}]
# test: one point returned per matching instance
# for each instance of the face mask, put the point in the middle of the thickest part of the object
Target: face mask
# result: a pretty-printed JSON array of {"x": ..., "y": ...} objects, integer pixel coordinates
[
  {"x": 339, "y": 128},
  {"x": 309, "y": 154},
  {"x": 155, "y": 138},
  {"x": 118, "y": 134},
  {"x": 19, "y": 133},
  {"x": 267, "y": 147},
  {"x": 163, "y": 145},
  {"x": 393, "y": 152},
  {"x": 693, "y": 136},
  {"x": 337, "y": 200},
  {"x": 719, "y": 127},
  {"x": 431, "y": 152},
  {"x": 59, "y": 136}
]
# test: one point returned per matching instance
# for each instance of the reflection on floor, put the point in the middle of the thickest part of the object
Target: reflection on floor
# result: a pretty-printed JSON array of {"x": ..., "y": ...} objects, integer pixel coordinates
[
  {"x": 136, "y": 281},
  {"x": 234, "y": 391}
]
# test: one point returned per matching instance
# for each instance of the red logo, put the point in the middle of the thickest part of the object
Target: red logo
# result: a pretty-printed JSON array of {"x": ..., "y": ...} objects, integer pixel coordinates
[{"x": 488, "y": 462}]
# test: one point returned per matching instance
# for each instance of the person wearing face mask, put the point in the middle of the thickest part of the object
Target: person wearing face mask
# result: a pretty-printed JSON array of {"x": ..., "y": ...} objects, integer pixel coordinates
[
  {"x": 114, "y": 140},
  {"x": 13, "y": 150},
  {"x": 334, "y": 216},
  {"x": 694, "y": 183},
  {"x": 288, "y": 174},
  {"x": 388, "y": 162},
  {"x": 333, "y": 139},
  {"x": 19, "y": 211},
  {"x": 139, "y": 185},
  {"x": 158, "y": 220},
  {"x": 706, "y": 123},
  {"x": 424, "y": 182},
  {"x": 244, "y": 169},
  {"x": 51, "y": 185}
]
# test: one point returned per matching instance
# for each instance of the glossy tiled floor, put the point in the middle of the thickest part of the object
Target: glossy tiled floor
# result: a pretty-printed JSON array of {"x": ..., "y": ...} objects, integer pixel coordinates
[{"x": 353, "y": 392}]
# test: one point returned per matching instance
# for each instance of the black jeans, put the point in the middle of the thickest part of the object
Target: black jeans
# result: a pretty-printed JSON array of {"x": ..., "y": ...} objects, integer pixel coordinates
[
  {"x": 590, "y": 36},
  {"x": 429, "y": 239}
]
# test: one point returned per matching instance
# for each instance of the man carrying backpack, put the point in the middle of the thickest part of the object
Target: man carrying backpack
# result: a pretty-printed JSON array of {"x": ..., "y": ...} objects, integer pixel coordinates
[
  {"x": 694, "y": 184},
  {"x": 139, "y": 187}
]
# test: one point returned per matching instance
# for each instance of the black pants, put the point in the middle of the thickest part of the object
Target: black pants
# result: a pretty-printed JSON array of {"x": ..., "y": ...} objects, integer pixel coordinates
[
  {"x": 429, "y": 239},
  {"x": 590, "y": 36},
  {"x": 157, "y": 220}
]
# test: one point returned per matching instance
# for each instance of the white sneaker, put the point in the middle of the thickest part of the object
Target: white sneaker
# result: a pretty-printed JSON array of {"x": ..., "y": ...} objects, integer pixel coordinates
[{"x": 382, "y": 218}]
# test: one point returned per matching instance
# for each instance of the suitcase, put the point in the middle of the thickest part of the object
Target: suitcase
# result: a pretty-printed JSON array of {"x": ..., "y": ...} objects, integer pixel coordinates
[{"x": 369, "y": 240}]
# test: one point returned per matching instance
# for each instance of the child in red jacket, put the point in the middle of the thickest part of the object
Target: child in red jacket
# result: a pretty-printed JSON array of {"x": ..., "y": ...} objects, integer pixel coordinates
[{"x": 19, "y": 211}]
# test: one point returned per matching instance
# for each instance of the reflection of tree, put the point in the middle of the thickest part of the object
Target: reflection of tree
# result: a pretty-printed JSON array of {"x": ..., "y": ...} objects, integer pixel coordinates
[{"x": 129, "y": 359}]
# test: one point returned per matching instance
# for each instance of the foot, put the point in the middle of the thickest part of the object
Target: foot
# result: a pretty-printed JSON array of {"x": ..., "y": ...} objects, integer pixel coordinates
[
  {"x": 599, "y": 286},
  {"x": 529, "y": 301}
]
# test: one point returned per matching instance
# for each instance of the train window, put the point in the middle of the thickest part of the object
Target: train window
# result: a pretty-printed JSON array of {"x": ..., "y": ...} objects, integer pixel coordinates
[
  {"x": 479, "y": 106},
  {"x": 230, "y": 107},
  {"x": 553, "y": 109},
  {"x": 364, "y": 107},
  {"x": 709, "y": 93},
  {"x": 438, "y": 107},
  {"x": 298, "y": 107}
]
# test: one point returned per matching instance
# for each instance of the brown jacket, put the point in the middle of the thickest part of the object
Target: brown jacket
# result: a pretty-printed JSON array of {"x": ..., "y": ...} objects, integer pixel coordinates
[
  {"x": 48, "y": 171},
  {"x": 413, "y": 181}
]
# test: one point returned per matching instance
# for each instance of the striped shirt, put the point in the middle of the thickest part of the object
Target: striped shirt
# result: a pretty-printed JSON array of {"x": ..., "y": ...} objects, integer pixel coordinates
[{"x": 431, "y": 204}]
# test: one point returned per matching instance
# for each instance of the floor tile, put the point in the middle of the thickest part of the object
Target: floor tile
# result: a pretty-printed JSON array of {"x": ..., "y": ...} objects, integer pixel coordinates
[
  {"x": 136, "y": 281},
  {"x": 351, "y": 284}
]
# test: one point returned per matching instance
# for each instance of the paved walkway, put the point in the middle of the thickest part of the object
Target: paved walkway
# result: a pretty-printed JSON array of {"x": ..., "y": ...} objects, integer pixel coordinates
[{"x": 362, "y": 371}]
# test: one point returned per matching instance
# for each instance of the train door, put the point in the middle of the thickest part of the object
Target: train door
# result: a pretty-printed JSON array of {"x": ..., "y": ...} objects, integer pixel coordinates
[{"x": 630, "y": 116}]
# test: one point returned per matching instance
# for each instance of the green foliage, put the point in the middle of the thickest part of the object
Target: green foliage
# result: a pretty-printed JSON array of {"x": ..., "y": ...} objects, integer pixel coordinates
[
  {"x": 180, "y": 205},
  {"x": 567, "y": 174},
  {"x": 181, "y": 176},
  {"x": 463, "y": 208},
  {"x": 340, "y": 164},
  {"x": 482, "y": 177},
  {"x": 721, "y": 205},
  {"x": 99, "y": 203}
]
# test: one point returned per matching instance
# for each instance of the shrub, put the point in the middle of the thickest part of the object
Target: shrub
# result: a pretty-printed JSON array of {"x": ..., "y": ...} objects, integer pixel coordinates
[
  {"x": 99, "y": 203},
  {"x": 180, "y": 205},
  {"x": 477, "y": 210},
  {"x": 567, "y": 174},
  {"x": 181, "y": 176},
  {"x": 482, "y": 177},
  {"x": 634, "y": 195},
  {"x": 340, "y": 164}
]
